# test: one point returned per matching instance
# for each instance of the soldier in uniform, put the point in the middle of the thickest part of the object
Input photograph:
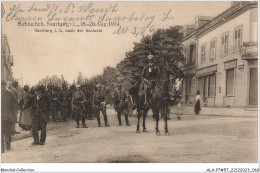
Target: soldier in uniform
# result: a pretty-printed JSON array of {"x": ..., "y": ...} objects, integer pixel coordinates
[
  {"x": 88, "y": 104},
  {"x": 40, "y": 104},
  {"x": 77, "y": 104},
  {"x": 119, "y": 104},
  {"x": 70, "y": 95},
  {"x": 13, "y": 92},
  {"x": 63, "y": 102},
  {"x": 53, "y": 97},
  {"x": 99, "y": 104}
]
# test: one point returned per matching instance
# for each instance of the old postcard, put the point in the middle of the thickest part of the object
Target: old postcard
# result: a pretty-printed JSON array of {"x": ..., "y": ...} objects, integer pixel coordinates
[{"x": 120, "y": 82}]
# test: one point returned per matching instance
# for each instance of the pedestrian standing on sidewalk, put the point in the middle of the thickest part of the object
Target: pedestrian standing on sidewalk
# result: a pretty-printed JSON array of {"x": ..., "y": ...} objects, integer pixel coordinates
[
  {"x": 7, "y": 116},
  {"x": 197, "y": 108}
]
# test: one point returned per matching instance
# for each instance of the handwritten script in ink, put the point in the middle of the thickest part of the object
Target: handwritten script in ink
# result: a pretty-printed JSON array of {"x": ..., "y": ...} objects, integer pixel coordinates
[{"x": 85, "y": 17}]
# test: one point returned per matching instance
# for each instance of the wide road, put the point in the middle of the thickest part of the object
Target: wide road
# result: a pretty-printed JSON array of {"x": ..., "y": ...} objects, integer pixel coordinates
[{"x": 193, "y": 139}]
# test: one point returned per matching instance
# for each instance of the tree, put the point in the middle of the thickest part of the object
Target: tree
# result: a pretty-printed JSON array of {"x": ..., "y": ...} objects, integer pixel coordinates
[{"x": 163, "y": 44}]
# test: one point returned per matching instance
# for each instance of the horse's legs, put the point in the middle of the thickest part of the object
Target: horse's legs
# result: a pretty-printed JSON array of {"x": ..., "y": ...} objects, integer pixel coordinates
[
  {"x": 145, "y": 111},
  {"x": 139, "y": 113},
  {"x": 156, "y": 110},
  {"x": 165, "y": 112}
]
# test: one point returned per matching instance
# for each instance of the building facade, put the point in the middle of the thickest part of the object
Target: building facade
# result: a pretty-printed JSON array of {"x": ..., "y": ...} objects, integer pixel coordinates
[
  {"x": 190, "y": 53},
  {"x": 226, "y": 59},
  {"x": 6, "y": 60}
]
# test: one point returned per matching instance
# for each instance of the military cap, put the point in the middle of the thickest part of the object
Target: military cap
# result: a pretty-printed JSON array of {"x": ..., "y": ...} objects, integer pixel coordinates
[
  {"x": 98, "y": 85},
  {"x": 64, "y": 85},
  {"x": 40, "y": 88},
  {"x": 150, "y": 57},
  {"x": 26, "y": 87},
  {"x": 77, "y": 86}
]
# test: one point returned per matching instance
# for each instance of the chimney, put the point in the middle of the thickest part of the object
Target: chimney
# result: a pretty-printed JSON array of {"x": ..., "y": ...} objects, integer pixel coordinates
[
  {"x": 201, "y": 20},
  {"x": 187, "y": 29}
]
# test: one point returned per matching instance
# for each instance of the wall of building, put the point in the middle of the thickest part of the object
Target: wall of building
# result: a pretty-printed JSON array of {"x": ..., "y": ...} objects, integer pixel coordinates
[
  {"x": 231, "y": 60},
  {"x": 189, "y": 70},
  {"x": 6, "y": 60}
]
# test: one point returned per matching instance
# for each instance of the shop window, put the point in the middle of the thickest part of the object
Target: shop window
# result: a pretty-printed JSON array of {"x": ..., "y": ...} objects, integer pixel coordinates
[
  {"x": 201, "y": 86},
  {"x": 212, "y": 85},
  {"x": 224, "y": 44},
  {"x": 237, "y": 37},
  {"x": 203, "y": 53},
  {"x": 213, "y": 49},
  {"x": 230, "y": 79}
]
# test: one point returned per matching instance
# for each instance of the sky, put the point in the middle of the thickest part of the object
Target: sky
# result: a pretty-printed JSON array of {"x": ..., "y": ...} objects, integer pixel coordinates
[{"x": 40, "y": 54}]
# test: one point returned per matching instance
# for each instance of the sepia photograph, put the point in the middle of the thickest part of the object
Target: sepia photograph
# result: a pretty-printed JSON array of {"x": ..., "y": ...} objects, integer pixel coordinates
[{"x": 124, "y": 84}]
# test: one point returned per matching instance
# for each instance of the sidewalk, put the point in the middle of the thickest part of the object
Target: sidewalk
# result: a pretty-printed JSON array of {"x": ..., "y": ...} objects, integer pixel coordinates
[{"x": 218, "y": 111}]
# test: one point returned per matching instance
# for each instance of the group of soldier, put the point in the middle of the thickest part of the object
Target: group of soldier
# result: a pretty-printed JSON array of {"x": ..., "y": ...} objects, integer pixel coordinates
[
  {"x": 40, "y": 103},
  {"x": 79, "y": 102}
]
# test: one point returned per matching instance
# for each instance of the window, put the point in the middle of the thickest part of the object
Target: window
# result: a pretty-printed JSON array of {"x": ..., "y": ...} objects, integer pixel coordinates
[
  {"x": 189, "y": 86},
  {"x": 207, "y": 85},
  {"x": 224, "y": 44},
  {"x": 213, "y": 49},
  {"x": 192, "y": 53},
  {"x": 230, "y": 79},
  {"x": 237, "y": 37},
  {"x": 203, "y": 53},
  {"x": 212, "y": 85},
  {"x": 185, "y": 54},
  {"x": 255, "y": 31}
]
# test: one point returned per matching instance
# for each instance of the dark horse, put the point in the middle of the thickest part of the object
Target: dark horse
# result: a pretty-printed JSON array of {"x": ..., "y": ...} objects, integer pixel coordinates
[
  {"x": 139, "y": 102},
  {"x": 158, "y": 99}
]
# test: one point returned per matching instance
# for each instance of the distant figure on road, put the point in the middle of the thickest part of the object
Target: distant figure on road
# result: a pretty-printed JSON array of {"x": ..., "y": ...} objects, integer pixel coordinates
[
  {"x": 197, "y": 108},
  {"x": 99, "y": 104},
  {"x": 7, "y": 116},
  {"x": 119, "y": 104},
  {"x": 63, "y": 102},
  {"x": 77, "y": 104}
]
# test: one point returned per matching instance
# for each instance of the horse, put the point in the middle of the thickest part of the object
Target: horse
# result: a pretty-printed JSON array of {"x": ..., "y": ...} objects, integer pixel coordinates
[
  {"x": 137, "y": 91},
  {"x": 164, "y": 96}
]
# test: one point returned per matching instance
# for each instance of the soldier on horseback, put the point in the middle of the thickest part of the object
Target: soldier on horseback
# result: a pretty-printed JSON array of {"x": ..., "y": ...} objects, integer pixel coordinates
[{"x": 149, "y": 75}]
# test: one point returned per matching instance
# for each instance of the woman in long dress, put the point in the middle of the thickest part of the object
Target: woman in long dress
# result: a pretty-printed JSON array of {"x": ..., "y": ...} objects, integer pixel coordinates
[
  {"x": 197, "y": 108},
  {"x": 26, "y": 113}
]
